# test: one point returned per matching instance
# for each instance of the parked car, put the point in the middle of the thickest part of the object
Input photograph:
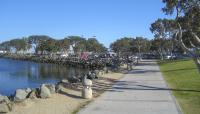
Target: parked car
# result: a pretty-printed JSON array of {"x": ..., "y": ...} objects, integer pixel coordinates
[{"x": 170, "y": 57}]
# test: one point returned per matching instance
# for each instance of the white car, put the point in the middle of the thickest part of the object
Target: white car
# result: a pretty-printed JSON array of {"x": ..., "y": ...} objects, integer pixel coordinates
[
  {"x": 170, "y": 57},
  {"x": 64, "y": 55}
]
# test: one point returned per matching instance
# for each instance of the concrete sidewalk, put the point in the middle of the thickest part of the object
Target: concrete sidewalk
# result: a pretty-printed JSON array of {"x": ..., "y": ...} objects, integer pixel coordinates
[{"x": 142, "y": 91}]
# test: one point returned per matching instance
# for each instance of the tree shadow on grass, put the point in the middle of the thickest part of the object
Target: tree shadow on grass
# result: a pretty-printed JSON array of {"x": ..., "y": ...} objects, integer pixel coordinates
[{"x": 183, "y": 69}]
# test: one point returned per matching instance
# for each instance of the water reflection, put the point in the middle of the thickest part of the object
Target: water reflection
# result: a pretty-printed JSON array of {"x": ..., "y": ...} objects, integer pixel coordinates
[{"x": 16, "y": 74}]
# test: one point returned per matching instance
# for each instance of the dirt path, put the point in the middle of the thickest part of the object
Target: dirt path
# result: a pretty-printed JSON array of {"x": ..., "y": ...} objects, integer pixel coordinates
[{"x": 67, "y": 102}]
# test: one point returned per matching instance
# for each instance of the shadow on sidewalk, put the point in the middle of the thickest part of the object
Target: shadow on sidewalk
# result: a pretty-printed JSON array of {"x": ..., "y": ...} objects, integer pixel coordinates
[
  {"x": 140, "y": 71},
  {"x": 145, "y": 87}
]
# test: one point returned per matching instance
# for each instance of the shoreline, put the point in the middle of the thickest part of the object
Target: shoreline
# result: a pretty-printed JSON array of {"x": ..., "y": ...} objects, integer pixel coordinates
[
  {"x": 69, "y": 61},
  {"x": 67, "y": 102}
]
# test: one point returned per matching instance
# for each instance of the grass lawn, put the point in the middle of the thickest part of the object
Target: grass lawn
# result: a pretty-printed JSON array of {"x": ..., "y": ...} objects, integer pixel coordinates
[{"x": 183, "y": 75}]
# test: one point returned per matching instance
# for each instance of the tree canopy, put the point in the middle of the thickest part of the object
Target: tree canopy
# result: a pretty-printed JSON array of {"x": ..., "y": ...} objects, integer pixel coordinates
[
  {"x": 43, "y": 43},
  {"x": 128, "y": 46},
  {"x": 184, "y": 29}
]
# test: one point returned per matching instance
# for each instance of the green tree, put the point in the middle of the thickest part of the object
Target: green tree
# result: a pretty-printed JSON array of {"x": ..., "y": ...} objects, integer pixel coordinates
[
  {"x": 64, "y": 44},
  {"x": 78, "y": 43},
  {"x": 93, "y": 45},
  {"x": 36, "y": 41},
  {"x": 163, "y": 30},
  {"x": 5, "y": 46},
  {"x": 122, "y": 46},
  {"x": 142, "y": 45},
  {"x": 187, "y": 25},
  {"x": 20, "y": 44}
]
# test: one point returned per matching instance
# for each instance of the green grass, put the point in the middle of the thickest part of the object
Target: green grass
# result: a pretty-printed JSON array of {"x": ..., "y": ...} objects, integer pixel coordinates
[{"x": 183, "y": 75}]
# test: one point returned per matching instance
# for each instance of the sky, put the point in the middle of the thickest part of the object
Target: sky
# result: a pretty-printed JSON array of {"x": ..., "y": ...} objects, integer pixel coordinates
[{"x": 108, "y": 20}]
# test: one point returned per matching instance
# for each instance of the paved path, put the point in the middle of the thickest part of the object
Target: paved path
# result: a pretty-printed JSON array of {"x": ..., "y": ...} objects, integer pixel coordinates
[{"x": 142, "y": 91}]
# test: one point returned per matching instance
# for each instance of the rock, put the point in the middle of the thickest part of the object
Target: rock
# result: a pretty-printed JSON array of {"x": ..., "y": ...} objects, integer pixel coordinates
[
  {"x": 92, "y": 76},
  {"x": 73, "y": 79},
  {"x": 101, "y": 73},
  {"x": 105, "y": 69},
  {"x": 28, "y": 90},
  {"x": 45, "y": 92},
  {"x": 5, "y": 104},
  {"x": 64, "y": 81},
  {"x": 4, "y": 107},
  {"x": 32, "y": 95},
  {"x": 96, "y": 72},
  {"x": 4, "y": 98},
  {"x": 20, "y": 95},
  {"x": 58, "y": 88},
  {"x": 51, "y": 87}
]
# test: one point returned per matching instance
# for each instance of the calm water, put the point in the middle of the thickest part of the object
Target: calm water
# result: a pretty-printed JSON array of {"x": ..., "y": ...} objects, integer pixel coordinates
[{"x": 15, "y": 74}]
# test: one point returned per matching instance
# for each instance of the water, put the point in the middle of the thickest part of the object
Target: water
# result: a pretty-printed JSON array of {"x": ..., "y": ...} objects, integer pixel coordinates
[{"x": 15, "y": 74}]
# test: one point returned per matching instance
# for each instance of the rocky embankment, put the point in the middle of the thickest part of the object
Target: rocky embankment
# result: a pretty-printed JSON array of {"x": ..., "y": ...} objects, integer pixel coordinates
[
  {"x": 70, "y": 61},
  {"x": 43, "y": 92},
  {"x": 60, "y": 98}
]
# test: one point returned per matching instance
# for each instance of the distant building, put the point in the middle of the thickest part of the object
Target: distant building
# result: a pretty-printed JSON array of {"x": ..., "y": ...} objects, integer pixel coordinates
[
  {"x": 68, "y": 52},
  {"x": 28, "y": 51}
]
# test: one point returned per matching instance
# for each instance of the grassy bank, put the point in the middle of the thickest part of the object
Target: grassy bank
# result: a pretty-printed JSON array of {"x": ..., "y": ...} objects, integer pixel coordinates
[{"x": 182, "y": 75}]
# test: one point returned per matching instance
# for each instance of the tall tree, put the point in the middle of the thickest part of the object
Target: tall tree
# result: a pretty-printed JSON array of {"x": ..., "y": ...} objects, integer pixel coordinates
[
  {"x": 93, "y": 45},
  {"x": 20, "y": 44},
  {"x": 78, "y": 43},
  {"x": 187, "y": 25},
  {"x": 141, "y": 44},
  {"x": 36, "y": 41},
  {"x": 64, "y": 44},
  {"x": 5, "y": 46},
  {"x": 122, "y": 46}
]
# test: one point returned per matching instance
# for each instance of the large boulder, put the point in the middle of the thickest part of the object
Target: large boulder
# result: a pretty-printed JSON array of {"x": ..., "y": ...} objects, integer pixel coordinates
[
  {"x": 96, "y": 72},
  {"x": 51, "y": 87},
  {"x": 4, "y": 107},
  {"x": 91, "y": 76},
  {"x": 45, "y": 92},
  {"x": 58, "y": 88},
  {"x": 21, "y": 94},
  {"x": 5, "y": 104},
  {"x": 73, "y": 79},
  {"x": 4, "y": 98},
  {"x": 28, "y": 90},
  {"x": 32, "y": 95},
  {"x": 64, "y": 81},
  {"x": 105, "y": 69}
]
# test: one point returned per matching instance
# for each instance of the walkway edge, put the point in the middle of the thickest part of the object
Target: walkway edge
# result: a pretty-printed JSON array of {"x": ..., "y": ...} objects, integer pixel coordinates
[{"x": 178, "y": 107}]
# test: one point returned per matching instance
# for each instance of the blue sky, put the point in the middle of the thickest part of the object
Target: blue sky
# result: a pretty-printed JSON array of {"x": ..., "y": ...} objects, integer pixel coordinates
[{"x": 108, "y": 20}]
